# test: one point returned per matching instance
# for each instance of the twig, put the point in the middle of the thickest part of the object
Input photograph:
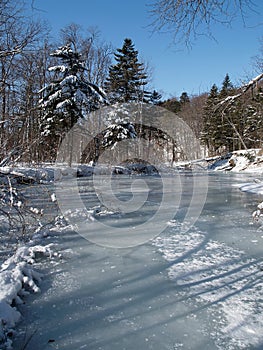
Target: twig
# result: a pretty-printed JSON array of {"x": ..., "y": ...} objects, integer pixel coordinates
[{"x": 28, "y": 340}]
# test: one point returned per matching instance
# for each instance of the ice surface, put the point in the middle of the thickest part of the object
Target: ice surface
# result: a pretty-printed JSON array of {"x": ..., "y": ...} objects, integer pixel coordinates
[
  {"x": 194, "y": 290},
  {"x": 106, "y": 299}
]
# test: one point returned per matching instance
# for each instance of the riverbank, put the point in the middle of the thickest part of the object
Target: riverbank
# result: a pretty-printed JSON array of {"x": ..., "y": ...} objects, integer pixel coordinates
[{"x": 238, "y": 161}]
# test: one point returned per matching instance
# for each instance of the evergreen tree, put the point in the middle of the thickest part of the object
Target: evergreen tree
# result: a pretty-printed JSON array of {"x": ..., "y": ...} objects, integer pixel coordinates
[
  {"x": 155, "y": 97},
  {"x": 184, "y": 98},
  {"x": 68, "y": 98},
  {"x": 232, "y": 118},
  {"x": 227, "y": 87},
  {"x": 127, "y": 77},
  {"x": 222, "y": 126},
  {"x": 253, "y": 114},
  {"x": 209, "y": 135},
  {"x": 125, "y": 83},
  {"x": 229, "y": 126}
]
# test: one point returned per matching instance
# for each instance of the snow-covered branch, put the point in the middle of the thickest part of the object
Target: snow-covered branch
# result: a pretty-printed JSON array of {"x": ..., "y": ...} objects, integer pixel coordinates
[
  {"x": 252, "y": 83},
  {"x": 229, "y": 100}
]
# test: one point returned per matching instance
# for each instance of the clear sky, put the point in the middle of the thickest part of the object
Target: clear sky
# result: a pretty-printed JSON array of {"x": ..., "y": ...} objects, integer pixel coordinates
[{"x": 175, "y": 69}]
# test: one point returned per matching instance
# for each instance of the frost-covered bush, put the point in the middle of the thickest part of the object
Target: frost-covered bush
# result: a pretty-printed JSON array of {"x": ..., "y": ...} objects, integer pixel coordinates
[
  {"x": 18, "y": 214},
  {"x": 11, "y": 204}
]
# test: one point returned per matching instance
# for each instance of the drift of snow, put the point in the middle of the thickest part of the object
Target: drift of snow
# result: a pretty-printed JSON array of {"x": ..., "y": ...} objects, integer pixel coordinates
[
  {"x": 218, "y": 275},
  {"x": 243, "y": 160},
  {"x": 18, "y": 277}
]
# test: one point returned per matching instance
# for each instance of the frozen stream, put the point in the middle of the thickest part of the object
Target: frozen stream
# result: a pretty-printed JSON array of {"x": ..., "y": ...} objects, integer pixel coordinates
[{"x": 200, "y": 289}]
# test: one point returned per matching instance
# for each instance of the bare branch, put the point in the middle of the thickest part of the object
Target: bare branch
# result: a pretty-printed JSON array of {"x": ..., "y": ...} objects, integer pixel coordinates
[{"x": 187, "y": 19}]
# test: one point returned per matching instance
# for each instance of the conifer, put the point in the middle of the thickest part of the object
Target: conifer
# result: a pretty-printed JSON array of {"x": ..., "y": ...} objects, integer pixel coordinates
[{"x": 127, "y": 77}]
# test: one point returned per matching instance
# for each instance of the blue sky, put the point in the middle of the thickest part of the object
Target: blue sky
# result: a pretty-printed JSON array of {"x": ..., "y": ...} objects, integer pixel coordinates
[{"x": 175, "y": 69}]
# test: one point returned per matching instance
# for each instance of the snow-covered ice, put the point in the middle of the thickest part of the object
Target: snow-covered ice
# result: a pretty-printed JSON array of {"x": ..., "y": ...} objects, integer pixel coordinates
[
  {"x": 222, "y": 278},
  {"x": 200, "y": 289}
]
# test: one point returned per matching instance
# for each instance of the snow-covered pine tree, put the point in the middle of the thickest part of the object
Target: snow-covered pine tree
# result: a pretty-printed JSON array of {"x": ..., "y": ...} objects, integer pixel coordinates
[
  {"x": 127, "y": 77},
  {"x": 67, "y": 99},
  {"x": 209, "y": 135},
  {"x": 252, "y": 112},
  {"x": 119, "y": 127},
  {"x": 125, "y": 83}
]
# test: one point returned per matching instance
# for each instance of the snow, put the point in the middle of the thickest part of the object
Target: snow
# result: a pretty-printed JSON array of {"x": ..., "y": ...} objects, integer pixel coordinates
[
  {"x": 253, "y": 82},
  {"x": 53, "y": 197},
  {"x": 243, "y": 160},
  {"x": 17, "y": 279},
  {"x": 218, "y": 274},
  {"x": 47, "y": 173},
  {"x": 60, "y": 68},
  {"x": 5, "y": 170},
  {"x": 252, "y": 187}
]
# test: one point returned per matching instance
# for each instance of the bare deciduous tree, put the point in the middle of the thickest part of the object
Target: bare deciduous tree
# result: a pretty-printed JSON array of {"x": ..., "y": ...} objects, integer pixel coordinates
[
  {"x": 18, "y": 34},
  {"x": 17, "y": 30},
  {"x": 186, "y": 19},
  {"x": 96, "y": 54},
  {"x": 258, "y": 59}
]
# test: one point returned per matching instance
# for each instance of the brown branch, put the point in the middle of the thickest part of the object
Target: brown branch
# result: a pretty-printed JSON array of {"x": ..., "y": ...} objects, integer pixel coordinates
[{"x": 186, "y": 19}]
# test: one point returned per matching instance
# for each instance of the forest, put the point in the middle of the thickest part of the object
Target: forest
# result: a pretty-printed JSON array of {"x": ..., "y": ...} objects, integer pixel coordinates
[{"x": 46, "y": 87}]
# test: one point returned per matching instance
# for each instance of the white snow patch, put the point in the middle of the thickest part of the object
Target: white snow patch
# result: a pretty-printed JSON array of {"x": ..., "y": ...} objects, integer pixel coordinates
[
  {"x": 18, "y": 276},
  {"x": 250, "y": 160},
  {"x": 17, "y": 279},
  {"x": 220, "y": 277},
  {"x": 53, "y": 197}
]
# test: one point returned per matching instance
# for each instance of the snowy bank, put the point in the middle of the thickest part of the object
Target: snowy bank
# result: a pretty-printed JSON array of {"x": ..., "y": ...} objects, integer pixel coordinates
[
  {"x": 250, "y": 160},
  {"x": 243, "y": 160},
  {"x": 17, "y": 279},
  {"x": 255, "y": 187},
  {"x": 46, "y": 173}
]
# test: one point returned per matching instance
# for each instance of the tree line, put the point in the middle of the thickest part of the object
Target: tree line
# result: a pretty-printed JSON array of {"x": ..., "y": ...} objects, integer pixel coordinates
[
  {"x": 46, "y": 88},
  {"x": 227, "y": 118}
]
